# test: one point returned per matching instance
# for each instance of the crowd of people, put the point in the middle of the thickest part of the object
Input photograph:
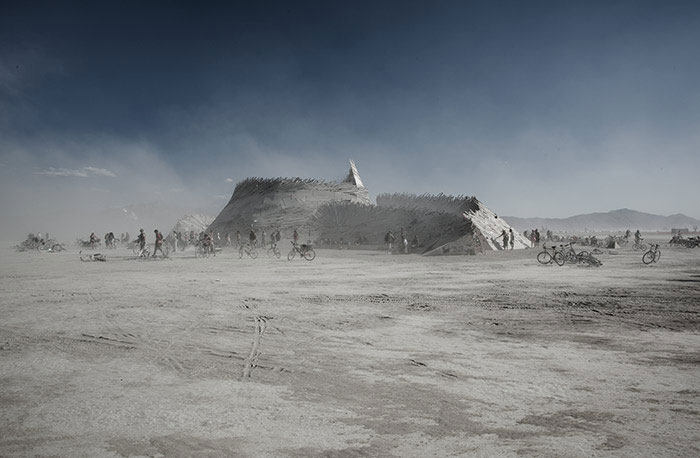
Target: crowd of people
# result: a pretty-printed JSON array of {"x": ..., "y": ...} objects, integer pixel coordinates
[
  {"x": 401, "y": 244},
  {"x": 181, "y": 240}
]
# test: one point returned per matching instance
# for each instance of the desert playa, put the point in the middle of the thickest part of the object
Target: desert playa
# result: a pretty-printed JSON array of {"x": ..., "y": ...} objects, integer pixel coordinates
[{"x": 356, "y": 353}]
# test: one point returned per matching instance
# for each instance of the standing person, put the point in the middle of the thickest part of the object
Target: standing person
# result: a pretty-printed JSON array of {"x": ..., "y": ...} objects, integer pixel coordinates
[
  {"x": 252, "y": 237},
  {"x": 405, "y": 244},
  {"x": 504, "y": 235},
  {"x": 295, "y": 236},
  {"x": 228, "y": 239},
  {"x": 512, "y": 238},
  {"x": 158, "y": 245},
  {"x": 262, "y": 238},
  {"x": 238, "y": 239},
  {"x": 537, "y": 237}
]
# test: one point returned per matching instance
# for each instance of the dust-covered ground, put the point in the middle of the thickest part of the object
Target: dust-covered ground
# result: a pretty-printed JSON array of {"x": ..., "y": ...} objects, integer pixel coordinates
[{"x": 355, "y": 353}]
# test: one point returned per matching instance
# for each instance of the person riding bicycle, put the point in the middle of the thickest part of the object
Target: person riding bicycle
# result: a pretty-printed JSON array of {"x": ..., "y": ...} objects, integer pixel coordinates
[
  {"x": 210, "y": 237},
  {"x": 141, "y": 239},
  {"x": 389, "y": 239},
  {"x": 93, "y": 240},
  {"x": 295, "y": 236},
  {"x": 252, "y": 237},
  {"x": 637, "y": 237},
  {"x": 207, "y": 242}
]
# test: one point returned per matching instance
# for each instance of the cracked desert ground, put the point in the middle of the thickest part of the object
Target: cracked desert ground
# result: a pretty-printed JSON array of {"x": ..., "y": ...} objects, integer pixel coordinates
[{"x": 354, "y": 354}]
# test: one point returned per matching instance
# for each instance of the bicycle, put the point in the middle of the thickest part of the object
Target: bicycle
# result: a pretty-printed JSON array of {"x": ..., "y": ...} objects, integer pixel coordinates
[
  {"x": 274, "y": 251},
  {"x": 639, "y": 245},
  {"x": 571, "y": 256},
  {"x": 544, "y": 257},
  {"x": 201, "y": 250},
  {"x": 652, "y": 255},
  {"x": 585, "y": 257},
  {"x": 248, "y": 249},
  {"x": 305, "y": 251},
  {"x": 139, "y": 253}
]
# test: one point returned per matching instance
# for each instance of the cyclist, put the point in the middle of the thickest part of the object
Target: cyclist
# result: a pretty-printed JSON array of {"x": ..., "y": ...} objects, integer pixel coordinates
[
  {"x": 389, "y": 239},
  {"x": 93, "y": 240},
  {"x": 252, "y": 237},
  {"x": 141, "y": 239},
  {"x": 295, "y": 236},
  {"x": 207, "y": 242}
]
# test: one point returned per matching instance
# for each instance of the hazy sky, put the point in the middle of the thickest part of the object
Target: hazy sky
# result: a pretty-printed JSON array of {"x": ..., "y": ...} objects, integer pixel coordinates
[{"x": 538, "y": 109}]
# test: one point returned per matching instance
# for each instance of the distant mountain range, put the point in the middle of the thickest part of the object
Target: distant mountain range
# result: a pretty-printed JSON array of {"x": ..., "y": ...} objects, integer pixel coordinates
[{"x": 615, "y": 220}]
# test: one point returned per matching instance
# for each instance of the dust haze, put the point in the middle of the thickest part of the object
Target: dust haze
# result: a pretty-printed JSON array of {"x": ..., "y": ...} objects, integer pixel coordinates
[{"x": 350, "y": 229}]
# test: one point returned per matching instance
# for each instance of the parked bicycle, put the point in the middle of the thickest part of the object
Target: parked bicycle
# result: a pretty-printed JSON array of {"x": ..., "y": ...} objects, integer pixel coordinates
[
  {"x": 303, "y": 250},
  {"x": 570, "y": 254},
  {"x": 551, "y": 254},
  {"x": 582, "y": 257},
  {"x": 652, "y": 255}
]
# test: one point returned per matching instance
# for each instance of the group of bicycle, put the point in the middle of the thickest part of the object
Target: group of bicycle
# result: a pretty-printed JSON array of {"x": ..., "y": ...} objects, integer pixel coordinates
[
  {"x": 40, "y": 243},
  {"x": 271, "y": 247},
  {"x": 565, "y": 253}
]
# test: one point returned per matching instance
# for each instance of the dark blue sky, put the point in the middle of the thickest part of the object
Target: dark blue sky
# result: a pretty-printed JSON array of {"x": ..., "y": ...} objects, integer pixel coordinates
[{"x": 538, "y": 108}]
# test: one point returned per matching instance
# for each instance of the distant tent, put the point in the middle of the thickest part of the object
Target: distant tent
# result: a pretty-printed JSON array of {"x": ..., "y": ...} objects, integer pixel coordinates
[{"x": 196, "y": 223}]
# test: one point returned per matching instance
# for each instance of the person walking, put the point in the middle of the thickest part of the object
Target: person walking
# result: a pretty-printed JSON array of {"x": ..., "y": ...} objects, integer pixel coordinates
[{"x": 158, "y": 245}]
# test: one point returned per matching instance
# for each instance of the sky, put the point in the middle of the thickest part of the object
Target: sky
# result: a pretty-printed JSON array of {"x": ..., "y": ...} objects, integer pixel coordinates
[{"x": 543, "y": 109}]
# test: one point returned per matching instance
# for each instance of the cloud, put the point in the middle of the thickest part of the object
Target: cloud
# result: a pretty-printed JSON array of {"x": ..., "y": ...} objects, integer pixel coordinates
[
  {"x": 229, "y": 180},
  {"x": 83, "y": 172}
]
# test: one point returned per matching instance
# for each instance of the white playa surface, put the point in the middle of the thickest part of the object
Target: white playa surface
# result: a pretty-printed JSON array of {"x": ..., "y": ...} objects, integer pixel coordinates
[{"x": 353, "y": 354}]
